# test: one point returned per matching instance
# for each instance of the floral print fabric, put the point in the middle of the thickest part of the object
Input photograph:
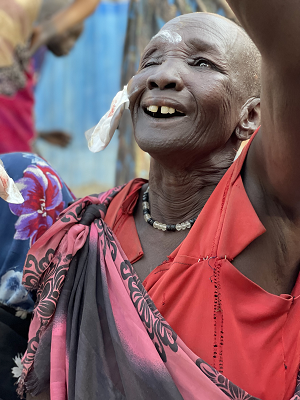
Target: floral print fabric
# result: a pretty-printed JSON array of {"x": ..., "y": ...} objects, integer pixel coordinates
[
  {"x": 42, "y": 191},
  {"x": 45, "y": 196}
]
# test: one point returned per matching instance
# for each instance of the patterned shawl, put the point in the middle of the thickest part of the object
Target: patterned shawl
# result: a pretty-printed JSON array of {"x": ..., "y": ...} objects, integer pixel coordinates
[{"x": 97, "y": 325}]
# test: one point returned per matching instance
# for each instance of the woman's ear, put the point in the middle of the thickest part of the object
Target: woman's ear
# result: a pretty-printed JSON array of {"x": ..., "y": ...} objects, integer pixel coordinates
[{"x": 249, "y": 119}]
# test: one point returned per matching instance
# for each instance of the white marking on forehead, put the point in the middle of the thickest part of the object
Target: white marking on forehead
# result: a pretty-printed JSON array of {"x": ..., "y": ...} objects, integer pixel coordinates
[{"x": 169, "y": 36}]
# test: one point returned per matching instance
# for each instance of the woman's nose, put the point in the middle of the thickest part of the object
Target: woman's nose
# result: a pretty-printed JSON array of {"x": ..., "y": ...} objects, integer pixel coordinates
[{"x": 165, "y": 77}]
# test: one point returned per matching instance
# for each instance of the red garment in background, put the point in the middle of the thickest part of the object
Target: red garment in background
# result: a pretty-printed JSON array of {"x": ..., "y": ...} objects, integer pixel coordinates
[
  {"x": 260, "y": 350},
  {"x": 17, "y": 119}
]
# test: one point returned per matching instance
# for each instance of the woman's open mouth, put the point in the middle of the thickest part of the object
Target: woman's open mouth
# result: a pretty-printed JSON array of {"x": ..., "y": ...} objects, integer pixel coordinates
[{"x": 163, "y": 112}]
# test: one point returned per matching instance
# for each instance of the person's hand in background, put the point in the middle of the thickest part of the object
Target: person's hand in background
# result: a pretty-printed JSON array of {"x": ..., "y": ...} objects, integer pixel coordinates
[{"x": 71, "y": 17}]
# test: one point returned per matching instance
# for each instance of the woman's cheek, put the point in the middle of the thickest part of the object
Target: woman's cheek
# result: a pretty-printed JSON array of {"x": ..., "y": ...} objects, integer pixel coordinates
[
  {"x": 135, "y": 85},
  {"x": 135, "y": 88}
]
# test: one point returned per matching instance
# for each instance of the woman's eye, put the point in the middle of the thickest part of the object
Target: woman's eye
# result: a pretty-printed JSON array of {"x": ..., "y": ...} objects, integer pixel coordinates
[
  {"x": 203, "y": 63},
  {"x": 149, "y": 64}
]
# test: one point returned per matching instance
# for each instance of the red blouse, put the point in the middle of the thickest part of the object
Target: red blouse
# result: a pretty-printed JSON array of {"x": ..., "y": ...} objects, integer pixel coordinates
[{"x": 222, "y": 316}]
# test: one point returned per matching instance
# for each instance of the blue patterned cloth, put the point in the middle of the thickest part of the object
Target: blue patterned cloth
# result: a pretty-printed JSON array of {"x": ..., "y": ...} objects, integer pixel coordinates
[{"x": 45, "y": 196}]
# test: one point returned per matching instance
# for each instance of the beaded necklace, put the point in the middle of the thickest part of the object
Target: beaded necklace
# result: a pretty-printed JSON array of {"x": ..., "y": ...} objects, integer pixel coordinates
[{"x": 158, "y": 225}]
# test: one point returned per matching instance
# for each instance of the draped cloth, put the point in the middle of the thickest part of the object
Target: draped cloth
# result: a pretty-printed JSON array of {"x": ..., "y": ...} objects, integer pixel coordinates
[{"x": 93, "y": 314}]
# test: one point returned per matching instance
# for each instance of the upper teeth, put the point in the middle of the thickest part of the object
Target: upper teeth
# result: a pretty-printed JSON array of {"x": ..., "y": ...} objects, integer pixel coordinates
[
  {"x": 163, "y": 110},
  {"x": 152, "y": 108},
  {"x": 166, "y": 110}
]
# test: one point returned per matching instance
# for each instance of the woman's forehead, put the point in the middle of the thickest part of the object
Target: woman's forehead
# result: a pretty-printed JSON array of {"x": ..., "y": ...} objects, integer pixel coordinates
[
  {"x": 195, "y": 36},
  {"x": 198, "y": 25},
  {"x": 168, "y": 35},
  {"x": 196, "y": 19}
]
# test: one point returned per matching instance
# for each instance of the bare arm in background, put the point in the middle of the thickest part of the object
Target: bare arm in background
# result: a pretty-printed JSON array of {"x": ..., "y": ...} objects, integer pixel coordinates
[
  {"x": 274, "y": 26},
  {"x": 228, "y": 11},
  {"x": 61, "y": 22}
]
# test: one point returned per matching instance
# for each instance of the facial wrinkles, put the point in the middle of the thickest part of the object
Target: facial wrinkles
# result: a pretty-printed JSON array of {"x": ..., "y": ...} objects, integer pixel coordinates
[
  {"x": 183, "y": 70},
  {"x": 223, "y": 52},
  {"x": 159, "y": 51},
  {"x": 212, "y": 121},
  {"x": 183, "y": 50},
  {"x": 209, "y": 116},
  {"x": 202, "y": 40},
  {"x": 205, "y": 41}
]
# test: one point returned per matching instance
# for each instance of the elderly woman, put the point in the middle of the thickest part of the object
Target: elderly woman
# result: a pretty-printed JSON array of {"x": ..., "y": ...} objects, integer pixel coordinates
[
  {"x": 145, "y": 18},
  {"x": 185, "y": 286}
]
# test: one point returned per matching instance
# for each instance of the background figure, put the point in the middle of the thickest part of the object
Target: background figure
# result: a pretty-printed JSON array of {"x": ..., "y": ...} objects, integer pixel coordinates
[
  {"x": 16, "y": 74},
  {"x": 24, "y": 28},
  {"x": 73, "y": 93},
  {"x": 21, "y": 225},
  {"x": 145, "y": 19}
]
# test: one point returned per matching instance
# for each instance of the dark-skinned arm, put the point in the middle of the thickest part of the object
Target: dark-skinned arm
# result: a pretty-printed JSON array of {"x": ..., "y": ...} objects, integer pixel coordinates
[
  {"x": 274, "y": 27},
  {"x": 61, "y": 22}
]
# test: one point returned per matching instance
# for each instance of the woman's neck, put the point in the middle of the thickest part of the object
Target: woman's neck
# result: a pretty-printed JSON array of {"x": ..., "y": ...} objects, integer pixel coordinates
[{"x": 179, "y": 195}]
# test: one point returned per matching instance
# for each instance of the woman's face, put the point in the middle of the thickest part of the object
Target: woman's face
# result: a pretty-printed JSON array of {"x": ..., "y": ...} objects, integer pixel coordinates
[{"x": 184, "y": 99}]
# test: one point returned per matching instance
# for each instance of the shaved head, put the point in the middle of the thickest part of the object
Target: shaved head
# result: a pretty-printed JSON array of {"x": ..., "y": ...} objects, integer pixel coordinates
[
  {"x": 204, "y": 71},
  {"x": 244, "y": 57}
]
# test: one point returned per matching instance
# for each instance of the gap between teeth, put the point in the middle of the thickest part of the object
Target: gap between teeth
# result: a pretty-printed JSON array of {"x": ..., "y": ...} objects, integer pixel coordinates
[{"x": 163, "y": 110}]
